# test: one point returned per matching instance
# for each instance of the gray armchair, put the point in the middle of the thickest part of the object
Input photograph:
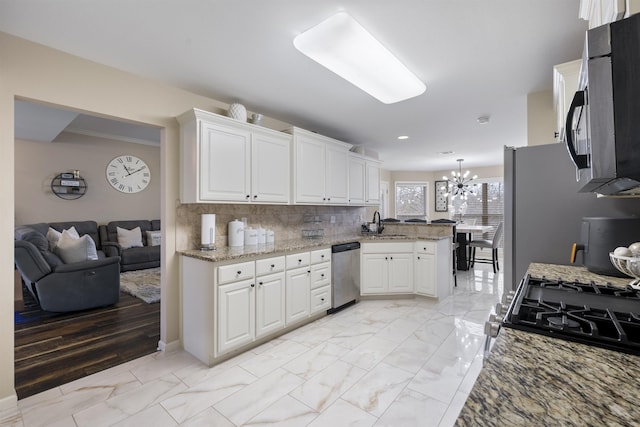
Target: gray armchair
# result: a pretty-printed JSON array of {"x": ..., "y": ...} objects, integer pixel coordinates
[{"x": 61, "y": 287}]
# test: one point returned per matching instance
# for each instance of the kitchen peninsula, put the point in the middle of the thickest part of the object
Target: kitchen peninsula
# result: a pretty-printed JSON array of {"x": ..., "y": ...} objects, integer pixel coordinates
[{"x": 530, "y": 379}]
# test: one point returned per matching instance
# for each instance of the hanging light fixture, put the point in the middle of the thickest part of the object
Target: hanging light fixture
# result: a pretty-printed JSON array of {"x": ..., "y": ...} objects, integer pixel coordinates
[{"x": 459, "y": 186}]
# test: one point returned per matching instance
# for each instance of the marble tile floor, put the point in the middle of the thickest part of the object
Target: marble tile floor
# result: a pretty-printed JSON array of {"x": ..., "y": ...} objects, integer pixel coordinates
[{"x": 393, "y": 362}]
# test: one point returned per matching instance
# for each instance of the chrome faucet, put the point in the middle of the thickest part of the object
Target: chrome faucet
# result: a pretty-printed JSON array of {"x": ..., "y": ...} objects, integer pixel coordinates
[{"x": 380, "y": 223}]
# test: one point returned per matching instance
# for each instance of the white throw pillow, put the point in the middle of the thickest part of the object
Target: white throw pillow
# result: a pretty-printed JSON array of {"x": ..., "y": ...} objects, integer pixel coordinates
[
  {"x": 129, "y": 238},
  {"x": 154, "y": 238},
  {"x": 71, "y": 250},
  {"x": 53, "y": 236}
]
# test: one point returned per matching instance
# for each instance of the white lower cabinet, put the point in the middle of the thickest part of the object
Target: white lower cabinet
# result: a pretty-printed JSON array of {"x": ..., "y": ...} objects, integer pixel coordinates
[
  {"x": 422, "y": 267},
  {"x": 387, "y": 268},
  {"x": 320, "y": 281},
  {"x": 270, "y": 300},
  {"x": 236, "y": 315},
  {"x": 433, "y": 266},
  {"x": 297, "y": 295}
]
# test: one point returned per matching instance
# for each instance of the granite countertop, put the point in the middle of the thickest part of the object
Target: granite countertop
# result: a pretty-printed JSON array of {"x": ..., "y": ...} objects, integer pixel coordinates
[
  {"x": 534, "y": 380},
  {"x": 229, "y": 253}
]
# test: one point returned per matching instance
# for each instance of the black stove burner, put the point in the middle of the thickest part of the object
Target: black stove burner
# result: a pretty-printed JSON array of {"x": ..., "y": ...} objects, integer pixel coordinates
[
  {"x": 563, "y": 322},
  {"x": 601, "y": 315}
]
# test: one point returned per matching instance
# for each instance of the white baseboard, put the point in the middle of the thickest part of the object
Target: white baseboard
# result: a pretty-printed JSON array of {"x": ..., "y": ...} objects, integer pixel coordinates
[
  {"x": 9, "y": 402},
  {"x": 172, "y": 346}
]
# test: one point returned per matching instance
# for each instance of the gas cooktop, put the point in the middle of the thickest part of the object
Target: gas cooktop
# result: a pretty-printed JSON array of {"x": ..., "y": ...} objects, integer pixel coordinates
[{"x": 589, "y": 313}]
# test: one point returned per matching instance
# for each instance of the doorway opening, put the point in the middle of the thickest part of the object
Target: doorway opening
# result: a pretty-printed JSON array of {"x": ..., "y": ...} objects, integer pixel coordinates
[{"x": 51, "y": 348}]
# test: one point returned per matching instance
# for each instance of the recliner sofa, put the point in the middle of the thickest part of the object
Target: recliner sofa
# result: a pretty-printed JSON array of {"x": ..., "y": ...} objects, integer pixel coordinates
[
  {"x": 61, "y": 287},
  {"x": 134, "y": 258}
]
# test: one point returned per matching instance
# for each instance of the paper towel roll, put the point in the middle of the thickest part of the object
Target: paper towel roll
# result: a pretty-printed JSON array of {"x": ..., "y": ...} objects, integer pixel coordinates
[
  {"x": 236, "y": 233},
  {"x": 208, "y": 231}
]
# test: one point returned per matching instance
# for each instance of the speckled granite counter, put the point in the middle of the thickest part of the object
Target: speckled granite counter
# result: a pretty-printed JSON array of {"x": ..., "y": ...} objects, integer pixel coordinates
[
  {"x": 534, "y": 380},
  {"x": 230, "y": 253}
]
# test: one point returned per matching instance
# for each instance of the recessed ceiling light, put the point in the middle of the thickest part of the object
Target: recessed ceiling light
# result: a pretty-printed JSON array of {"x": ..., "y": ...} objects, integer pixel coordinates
[
  {"x": 343, "y": 46},
  {"x": 483, "y": 120},
  {"x": 445, "y": 153},
  {"x": 403, "y": 137}
]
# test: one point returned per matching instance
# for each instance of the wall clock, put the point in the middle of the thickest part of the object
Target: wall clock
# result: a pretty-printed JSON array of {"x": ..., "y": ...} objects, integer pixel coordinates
[
  {"x": 128, "y": 174},
  {"x": 442, "y": 202}
]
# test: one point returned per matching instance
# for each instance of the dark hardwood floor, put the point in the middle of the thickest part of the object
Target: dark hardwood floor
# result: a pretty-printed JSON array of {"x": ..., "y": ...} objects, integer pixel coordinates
[{"x": 52, "y": 349}]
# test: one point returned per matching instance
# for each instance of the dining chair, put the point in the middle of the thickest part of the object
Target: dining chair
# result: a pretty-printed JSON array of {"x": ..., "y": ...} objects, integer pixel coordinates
[{"x": 490, "y": 244}]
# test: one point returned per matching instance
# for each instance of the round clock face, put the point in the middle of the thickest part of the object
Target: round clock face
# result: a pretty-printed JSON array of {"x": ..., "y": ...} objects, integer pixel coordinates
[{"x": 128, "y": 174}]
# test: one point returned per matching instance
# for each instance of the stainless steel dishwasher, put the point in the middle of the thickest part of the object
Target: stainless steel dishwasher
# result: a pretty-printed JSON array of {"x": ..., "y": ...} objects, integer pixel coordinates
[{"x": 345, "y": 275}]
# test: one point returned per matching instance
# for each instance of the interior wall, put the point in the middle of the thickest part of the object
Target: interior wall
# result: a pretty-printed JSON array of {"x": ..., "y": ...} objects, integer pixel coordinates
[
  {"x": 541, "y": 118},
  {"x": 430, "y": 177},
  {"x": 34, "y": 72},
  {"x": 37, "y": 163}
]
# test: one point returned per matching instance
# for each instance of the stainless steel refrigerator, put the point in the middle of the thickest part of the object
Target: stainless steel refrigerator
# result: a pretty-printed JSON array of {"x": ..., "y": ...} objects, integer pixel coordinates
[{"x": 543, "y": 209}]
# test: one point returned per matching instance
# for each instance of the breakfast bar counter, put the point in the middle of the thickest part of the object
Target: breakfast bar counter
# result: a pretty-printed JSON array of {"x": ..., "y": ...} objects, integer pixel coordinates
[{"x": 534, "y": 380}]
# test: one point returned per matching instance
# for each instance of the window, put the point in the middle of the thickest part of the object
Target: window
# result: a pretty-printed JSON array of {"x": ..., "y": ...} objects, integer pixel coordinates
[
  {"x": 411, "y": 200},
  {"x": 488, "y": 207}
]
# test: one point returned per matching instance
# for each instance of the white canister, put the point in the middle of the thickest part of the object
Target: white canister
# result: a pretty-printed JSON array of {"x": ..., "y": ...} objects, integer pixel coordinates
[
  {"x": 250, "y": 237},
  {"x": 236, "y": 233},
  {"x": 270, "y": 237},
  {"x": 262, "y": 236}
]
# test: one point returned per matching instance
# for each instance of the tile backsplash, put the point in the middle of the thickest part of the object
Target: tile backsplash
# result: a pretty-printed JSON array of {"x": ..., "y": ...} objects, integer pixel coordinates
[{"x": 287, "y": 221}]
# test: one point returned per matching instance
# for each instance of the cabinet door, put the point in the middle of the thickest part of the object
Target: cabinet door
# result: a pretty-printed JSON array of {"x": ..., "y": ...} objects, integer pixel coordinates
[
  {"x": 310, "y": 170},
  {"x": 372, "y": 195},
  {"x": 270, "y": 168},
  {"x": 337, "y": 175},
  {"x": 425, "y": 274},
  {"x": 356, "y": 180},
  {"x": 269, "y": 304},
  {"x": 400, "y": 273},
  {"x": 224, "y": 163},
  {"x": 236, "y": 315},
  {"x": 297, "y": 295},
  {"x": 374, "y": 277}
]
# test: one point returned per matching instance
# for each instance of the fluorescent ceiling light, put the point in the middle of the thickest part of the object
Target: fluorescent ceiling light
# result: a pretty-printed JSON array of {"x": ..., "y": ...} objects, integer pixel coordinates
[{"x": 346, "y": 48}]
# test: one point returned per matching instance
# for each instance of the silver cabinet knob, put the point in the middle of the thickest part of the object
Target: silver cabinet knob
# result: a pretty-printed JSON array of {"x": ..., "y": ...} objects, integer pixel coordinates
[
  {"x": 501, "y": 309},
  {"x": 491, "y": 329},
  {"x": 495, "y": 318}
]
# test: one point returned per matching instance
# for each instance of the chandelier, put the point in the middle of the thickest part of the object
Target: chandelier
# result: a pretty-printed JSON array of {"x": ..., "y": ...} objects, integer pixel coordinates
[{"x": 458, "y": 185}]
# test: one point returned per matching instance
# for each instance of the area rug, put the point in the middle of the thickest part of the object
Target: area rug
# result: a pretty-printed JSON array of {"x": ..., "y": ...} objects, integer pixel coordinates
[{"x": 143, "y": 284}]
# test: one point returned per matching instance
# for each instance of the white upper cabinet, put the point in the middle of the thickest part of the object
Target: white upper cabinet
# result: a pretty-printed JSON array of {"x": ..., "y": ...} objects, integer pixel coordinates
[
  {"x": 224, "y": 160},
  {"x": 320, "y": 169},
  {"x": 364, "y": 180},
  {"x": 372, "y": 188},
  {"x": 357, "y": 173},
  {"x": 270, "y": 173},
  {"x": 565, "y": 85}
]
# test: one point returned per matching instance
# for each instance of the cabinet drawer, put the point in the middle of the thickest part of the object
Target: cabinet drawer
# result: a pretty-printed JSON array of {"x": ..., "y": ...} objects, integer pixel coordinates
[
  {"x": 320, "y": 299},
  {"x": 321, "y": 255},
  {"x": 387, "y": 247},
  {"x": 320, "y": 275},
  {"x": 301, "y": 259},
  {"x": 235, "y": 272},
  {"x": 269, "y": 265},
  {"x": 425, "y": 247}
]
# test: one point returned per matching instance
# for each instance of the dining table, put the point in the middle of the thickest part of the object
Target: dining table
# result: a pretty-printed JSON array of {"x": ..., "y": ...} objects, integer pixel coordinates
[{"x": 464, "y": 234}]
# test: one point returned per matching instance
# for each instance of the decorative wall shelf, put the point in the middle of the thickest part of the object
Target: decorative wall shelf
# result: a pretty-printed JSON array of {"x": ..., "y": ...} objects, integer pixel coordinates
[{"x": 68, "y": 187}]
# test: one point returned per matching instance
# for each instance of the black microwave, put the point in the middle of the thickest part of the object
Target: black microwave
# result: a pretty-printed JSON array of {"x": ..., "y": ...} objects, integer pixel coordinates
[{"x": 603, "y": 121}]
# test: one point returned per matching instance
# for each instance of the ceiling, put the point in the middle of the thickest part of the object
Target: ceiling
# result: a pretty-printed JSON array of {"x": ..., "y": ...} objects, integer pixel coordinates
[{"x": 476, "y": 57}]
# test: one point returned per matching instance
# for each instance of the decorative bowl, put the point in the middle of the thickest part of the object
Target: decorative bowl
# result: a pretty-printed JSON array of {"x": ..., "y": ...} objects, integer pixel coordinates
[{"x": 628, "y": 265}]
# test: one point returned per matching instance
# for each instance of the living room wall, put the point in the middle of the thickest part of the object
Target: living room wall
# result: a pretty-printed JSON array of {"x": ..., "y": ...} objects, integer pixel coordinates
[{"x": 36, "y": 163}]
